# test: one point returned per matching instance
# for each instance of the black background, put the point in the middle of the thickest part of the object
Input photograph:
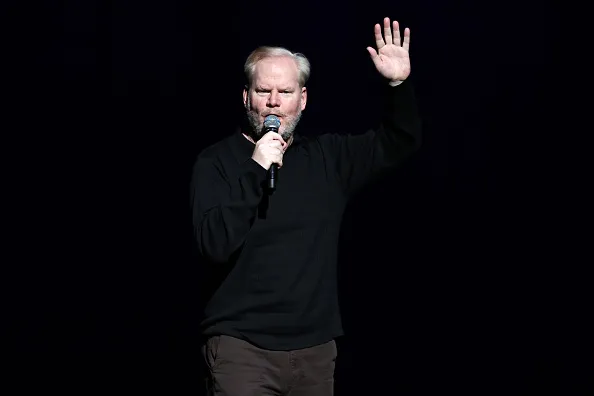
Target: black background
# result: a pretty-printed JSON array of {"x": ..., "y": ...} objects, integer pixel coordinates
[{"x": 444, "y": 268}]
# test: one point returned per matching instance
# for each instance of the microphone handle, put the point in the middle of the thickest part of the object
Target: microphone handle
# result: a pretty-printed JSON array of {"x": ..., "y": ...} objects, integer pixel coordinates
[{"x": 272, "y": 176}]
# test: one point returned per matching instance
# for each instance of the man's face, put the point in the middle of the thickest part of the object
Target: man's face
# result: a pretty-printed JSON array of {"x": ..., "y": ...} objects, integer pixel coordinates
[{"x": 275, "y": 90}]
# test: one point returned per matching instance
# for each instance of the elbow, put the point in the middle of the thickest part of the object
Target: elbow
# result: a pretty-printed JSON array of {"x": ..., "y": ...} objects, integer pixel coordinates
[
  {"x": 214, "y": 250},
  {"x": 217, "y": 240}
]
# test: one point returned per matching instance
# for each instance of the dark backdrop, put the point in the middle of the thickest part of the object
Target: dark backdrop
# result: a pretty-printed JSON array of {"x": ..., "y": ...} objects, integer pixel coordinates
[{"x": 440, "y": 264}]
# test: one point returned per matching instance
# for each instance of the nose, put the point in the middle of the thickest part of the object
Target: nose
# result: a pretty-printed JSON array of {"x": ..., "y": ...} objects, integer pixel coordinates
[{"x": 274, "y": 99}]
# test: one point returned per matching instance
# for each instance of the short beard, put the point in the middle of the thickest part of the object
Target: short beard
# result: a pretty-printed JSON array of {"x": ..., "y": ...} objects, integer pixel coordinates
[{"x": 287, "y": 130}]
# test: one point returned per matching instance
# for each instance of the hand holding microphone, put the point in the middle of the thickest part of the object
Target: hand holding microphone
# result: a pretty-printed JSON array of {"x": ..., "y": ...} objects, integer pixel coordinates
[{"x": 269, "y": 149}]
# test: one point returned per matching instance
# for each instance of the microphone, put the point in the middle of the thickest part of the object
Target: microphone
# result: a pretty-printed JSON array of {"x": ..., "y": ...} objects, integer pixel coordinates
[{"x": 272, "y": 124}]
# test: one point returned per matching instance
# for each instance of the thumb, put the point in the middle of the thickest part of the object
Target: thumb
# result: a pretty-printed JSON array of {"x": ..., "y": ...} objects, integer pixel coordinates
[{"x": 374, "y": 56}]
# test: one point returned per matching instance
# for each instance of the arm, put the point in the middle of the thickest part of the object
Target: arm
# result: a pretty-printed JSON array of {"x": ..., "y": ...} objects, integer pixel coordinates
[
  {"x": 359, "y": 158},
  {"x": 224, "y": 205}
]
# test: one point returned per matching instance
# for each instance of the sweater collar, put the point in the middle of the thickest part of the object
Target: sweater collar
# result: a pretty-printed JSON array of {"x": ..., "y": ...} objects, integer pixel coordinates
[{"x": 243, "y": 148}]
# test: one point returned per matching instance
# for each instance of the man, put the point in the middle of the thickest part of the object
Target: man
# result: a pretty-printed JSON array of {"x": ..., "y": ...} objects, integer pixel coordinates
[{"x": 273, "y": 315}]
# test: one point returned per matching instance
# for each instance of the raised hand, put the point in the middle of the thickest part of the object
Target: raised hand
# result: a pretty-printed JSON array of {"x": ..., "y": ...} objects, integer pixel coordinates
[{"x": 391, "y": 58}]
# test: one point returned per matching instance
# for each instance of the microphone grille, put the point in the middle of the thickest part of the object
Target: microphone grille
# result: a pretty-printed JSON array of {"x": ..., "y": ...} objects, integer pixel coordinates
[{"x": 272, "y": 121}]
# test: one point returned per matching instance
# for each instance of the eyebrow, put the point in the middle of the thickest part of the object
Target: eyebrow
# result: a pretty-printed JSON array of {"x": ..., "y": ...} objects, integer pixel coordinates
[{"x": 265, "y": 87}]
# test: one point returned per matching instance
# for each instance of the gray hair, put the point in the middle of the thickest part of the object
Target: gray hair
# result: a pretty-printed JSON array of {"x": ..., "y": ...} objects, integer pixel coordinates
[{"x": 260, "y": 53}]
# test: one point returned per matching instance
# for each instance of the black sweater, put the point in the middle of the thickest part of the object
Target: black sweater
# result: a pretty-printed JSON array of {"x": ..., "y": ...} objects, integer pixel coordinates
[{"x": 273, "y": 256}]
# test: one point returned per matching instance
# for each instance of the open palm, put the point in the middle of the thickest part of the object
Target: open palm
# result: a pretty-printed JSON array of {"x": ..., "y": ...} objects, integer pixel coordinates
[{"x": 391, "y": 58}]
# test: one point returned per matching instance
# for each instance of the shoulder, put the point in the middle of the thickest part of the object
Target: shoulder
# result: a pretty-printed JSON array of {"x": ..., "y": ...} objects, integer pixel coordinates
[
  {"x": 213, "y": 152},
  {"x": 209, "y": 162},
  {"x": 330, "y": 141},
  {"x": 320, "y": 140}
]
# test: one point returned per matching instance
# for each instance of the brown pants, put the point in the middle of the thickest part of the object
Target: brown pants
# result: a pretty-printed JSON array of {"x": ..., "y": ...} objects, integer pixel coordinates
[{"x": 238, "y": 368}]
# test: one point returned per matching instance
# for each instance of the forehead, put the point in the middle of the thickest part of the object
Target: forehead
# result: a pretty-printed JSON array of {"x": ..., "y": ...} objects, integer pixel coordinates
[{"x": 280, "y": 70}]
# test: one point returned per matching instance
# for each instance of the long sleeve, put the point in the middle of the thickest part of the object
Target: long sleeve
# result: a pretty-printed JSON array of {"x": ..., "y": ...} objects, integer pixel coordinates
[
  {"x": 224, "y": 205},
  {"x": 360, "y": 158}
]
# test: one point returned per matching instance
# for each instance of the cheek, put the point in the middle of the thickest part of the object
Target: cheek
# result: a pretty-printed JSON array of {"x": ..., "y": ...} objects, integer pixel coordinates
[
  {"x": 295, "y": 107},
  {"x": 255, "y": 104}
]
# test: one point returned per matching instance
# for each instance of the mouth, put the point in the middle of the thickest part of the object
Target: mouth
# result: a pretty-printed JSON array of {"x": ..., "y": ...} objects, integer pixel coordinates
[{"x": 274, "y": 114}]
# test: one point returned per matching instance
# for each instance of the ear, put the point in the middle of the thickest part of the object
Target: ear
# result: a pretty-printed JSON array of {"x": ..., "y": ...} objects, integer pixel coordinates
[
  {"x": 303, "y": 98},
  {"x": 245, "y": 95}
]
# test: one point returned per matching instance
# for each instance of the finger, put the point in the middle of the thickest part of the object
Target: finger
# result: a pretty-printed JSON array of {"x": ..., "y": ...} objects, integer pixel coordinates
[
  {"x": 379, "y": 40},
  {"x": 276, "y": 145},
  {"x": 406, "y": 43},
  {"x": 278, "y": 158},
  {"x": 374, "y": 55},
  {"x": 387, "y": 31},
  {"x": 396, "y": 32},
  {"x": 274, "y": 136}
]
